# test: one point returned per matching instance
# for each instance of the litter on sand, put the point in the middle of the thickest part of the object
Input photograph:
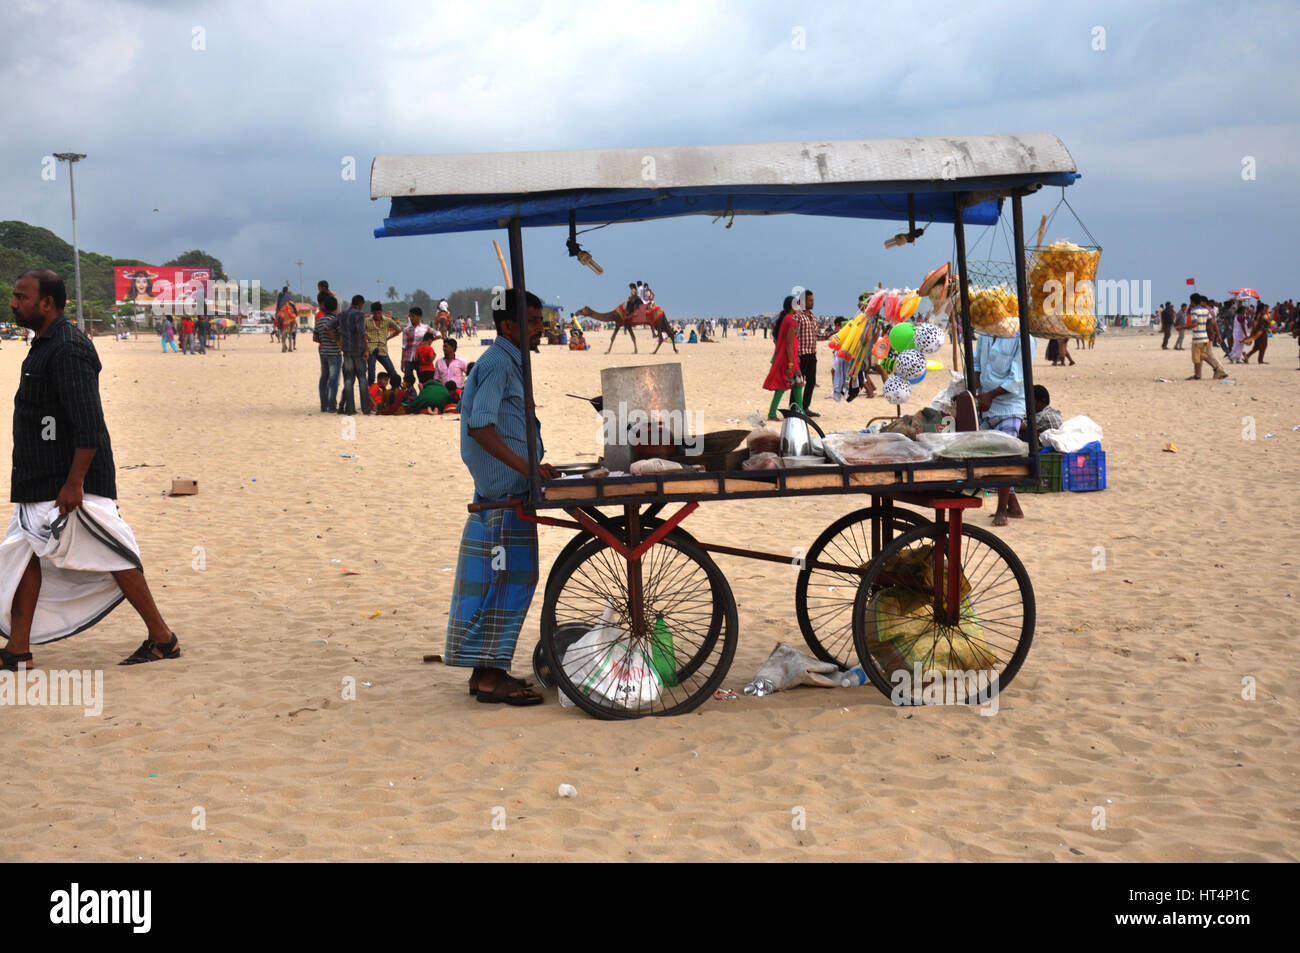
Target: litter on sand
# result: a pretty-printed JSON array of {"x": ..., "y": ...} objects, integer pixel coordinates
[{"x": 1170, "y": 448}]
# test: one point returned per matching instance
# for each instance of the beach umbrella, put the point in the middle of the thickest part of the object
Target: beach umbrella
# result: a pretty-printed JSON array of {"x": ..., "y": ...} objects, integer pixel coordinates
[{"x": 1245, "y": 293}]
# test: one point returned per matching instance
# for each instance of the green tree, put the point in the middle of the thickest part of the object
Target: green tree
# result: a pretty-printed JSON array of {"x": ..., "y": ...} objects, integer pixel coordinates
[
  {"x": 391, "y": 295},
  {"x": 197, "y": 258},
  {"x": 420, "y": 299}
]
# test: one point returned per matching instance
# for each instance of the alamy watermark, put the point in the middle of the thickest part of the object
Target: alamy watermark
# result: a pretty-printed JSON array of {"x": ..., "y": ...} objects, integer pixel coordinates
[
  {"x": 209, "y": 297},
  {"x": 946, "y": 687},
  {"x": 54, "y": 688},
  {"x": 641, "y": 428},
  {"x": 1111, "y": 296}
]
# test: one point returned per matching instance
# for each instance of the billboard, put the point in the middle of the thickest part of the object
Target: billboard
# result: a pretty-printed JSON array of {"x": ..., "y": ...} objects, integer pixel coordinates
[{"x": 148, "y": 286}]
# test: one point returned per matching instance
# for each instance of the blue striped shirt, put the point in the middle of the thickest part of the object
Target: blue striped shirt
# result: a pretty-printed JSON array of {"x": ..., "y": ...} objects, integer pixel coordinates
[{"x": 494, "y": 396}]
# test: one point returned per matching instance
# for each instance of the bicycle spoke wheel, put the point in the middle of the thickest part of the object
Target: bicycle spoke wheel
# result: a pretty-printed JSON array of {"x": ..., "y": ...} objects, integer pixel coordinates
[
  {"x": 618, "y": 526},
  {"x": 823, "y": 599},
  {"x": 912, "y": 650},
  {"x": 689, "y": 629}
]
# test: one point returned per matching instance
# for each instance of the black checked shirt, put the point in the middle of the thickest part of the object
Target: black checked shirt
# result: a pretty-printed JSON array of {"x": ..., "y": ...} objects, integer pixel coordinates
[{"x": 57, "y": 412}]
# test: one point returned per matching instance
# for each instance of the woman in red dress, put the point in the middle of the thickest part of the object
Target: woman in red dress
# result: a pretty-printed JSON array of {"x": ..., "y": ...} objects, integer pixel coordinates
[{"x": 785, "y": 361}]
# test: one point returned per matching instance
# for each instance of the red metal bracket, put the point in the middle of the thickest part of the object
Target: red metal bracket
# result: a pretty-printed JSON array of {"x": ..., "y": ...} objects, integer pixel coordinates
[{"x": 616, "y": 544}]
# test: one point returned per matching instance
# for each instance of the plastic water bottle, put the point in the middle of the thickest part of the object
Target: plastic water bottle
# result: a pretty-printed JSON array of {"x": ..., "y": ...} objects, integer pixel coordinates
[
  {"x": 759, "y": 686},
  {"x": 853, "y": 677}
]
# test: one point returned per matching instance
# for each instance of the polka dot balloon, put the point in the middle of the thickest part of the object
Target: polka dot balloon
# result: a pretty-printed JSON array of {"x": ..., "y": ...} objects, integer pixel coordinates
[
  {"x": 927, "y": 338},
  {"x": 910, "y": 365},
  {"x": 897, "y": 390}
]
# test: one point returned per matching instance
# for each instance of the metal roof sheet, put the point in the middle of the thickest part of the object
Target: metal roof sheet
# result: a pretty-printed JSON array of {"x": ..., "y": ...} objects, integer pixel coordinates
[{"x": 858, "y": 178}]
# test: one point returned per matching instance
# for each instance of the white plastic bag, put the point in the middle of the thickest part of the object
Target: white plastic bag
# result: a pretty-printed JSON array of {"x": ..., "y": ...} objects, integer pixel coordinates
[
  {"x": 943, "y": 401},
  {"x": 1075, "y": 434},
  {"x": 604, "y": 665}
]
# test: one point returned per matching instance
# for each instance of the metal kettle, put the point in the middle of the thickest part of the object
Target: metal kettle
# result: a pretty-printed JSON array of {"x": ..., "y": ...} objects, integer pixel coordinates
[{"x": 796, "y": 441}]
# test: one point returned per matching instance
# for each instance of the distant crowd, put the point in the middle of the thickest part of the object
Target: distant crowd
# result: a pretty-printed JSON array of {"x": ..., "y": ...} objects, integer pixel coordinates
[
  {"x": 1240, "y": 327},
  {"x": 353, "y": 348}
]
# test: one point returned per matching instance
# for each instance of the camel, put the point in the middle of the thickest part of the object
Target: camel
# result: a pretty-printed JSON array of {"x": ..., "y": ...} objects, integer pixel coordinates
[{"x": 631, "y": 313}]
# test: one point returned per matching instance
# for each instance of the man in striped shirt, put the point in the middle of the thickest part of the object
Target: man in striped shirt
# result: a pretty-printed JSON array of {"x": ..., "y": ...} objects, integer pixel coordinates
[
  {"x": 1203, "y": 330},
  {"x": 331, "y": 351}
]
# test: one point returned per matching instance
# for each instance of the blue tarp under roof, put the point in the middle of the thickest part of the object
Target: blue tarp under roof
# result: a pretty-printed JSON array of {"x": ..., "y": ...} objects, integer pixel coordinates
[{"x": 865, "y": 178}]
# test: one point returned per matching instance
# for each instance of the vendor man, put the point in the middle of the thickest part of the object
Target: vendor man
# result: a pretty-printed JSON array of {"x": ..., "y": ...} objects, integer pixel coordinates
[
  {"x": 496, "y": 569},
  {"x": 1001, "y": 402}
]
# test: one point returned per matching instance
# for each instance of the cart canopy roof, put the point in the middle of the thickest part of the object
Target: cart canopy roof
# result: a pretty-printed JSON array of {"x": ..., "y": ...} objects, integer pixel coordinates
[{"x": 850, "y": 178}]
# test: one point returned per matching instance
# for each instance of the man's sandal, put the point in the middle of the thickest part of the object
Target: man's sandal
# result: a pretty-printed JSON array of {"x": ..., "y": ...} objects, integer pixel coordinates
[
  {"x": 10, "y": 661},
  {"x": 151, "y": 651},
  {"x": 526, "y": 683},
  {"x": 510, "y": 691}
]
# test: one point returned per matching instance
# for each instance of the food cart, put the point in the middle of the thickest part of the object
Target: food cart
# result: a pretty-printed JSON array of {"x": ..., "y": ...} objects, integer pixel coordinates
[{"x": 901, "y": 585}]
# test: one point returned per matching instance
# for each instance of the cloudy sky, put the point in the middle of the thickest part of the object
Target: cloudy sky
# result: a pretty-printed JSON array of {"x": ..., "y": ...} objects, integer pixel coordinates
[{"x": 227, "y": 126}]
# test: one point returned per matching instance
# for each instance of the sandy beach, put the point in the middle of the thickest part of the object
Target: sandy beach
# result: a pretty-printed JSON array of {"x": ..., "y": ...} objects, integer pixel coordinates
[{"x": 1130, "y": 701}]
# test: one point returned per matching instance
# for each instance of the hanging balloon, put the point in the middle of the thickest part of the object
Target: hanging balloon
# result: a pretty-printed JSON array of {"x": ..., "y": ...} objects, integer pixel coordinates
[
  {"x": 900, "y": 336},
  {"x": 897, "y": 390},
  {"x": 927, "y": 338},
  {"x": 891, "y": 309},
  {"x": 910, "y": 365}
]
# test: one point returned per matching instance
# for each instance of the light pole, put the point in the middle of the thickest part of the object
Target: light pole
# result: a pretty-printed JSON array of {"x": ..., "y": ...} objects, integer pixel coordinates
[
  {"x": 300, "y": 295},
  {"x": 71, "y": 158}
]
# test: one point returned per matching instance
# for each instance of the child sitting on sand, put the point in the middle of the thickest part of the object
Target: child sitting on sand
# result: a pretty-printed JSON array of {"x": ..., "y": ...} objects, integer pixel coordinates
[
  {"x": 378, "y": 388},
  {"x": 1046, "y": 417}
]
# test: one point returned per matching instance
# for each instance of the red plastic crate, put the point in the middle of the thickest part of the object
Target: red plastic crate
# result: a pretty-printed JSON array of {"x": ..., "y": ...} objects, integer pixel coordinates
[{"x": 1083, "y": 471}]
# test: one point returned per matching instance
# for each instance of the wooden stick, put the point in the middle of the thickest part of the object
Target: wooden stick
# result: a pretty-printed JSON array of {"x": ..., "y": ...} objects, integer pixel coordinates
[
  {"x": 1042, "y": 226},
  {"x": 505, "y": 272}
]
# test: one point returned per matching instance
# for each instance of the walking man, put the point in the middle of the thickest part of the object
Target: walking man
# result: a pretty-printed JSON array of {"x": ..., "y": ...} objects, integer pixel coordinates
[
  {"x": 68, "y": 558},
  {"x": 807, "y": 330},
  {"x": 1203, "y": 331},
  {"x": 496, "y": 570},
  {"x": 1166, "y": 324},
  {"x": 1180, "y": 320},
  {"x": 352, "y": 337}
]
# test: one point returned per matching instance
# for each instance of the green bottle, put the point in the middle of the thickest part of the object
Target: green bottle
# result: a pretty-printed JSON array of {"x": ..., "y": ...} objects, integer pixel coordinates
[{"x": 662, "y": 657}]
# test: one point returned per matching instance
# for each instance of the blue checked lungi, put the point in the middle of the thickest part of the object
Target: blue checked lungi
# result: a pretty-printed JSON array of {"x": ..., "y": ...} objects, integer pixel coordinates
[{"x": 493, "y": 589}]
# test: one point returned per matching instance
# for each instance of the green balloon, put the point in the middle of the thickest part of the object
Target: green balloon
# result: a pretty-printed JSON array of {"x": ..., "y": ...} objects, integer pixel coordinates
[{"x": 900, "y": 336}]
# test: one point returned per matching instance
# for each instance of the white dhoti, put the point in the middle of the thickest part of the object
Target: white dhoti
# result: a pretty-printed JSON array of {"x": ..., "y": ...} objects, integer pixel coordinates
[{"x": 78, "y": 553}]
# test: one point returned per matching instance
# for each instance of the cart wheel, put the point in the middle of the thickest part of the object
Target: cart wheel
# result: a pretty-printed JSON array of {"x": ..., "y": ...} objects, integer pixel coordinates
[
  {"x": 823, "y": 599},
  {"x": 898, "y": 627},
  {"x": 684, "y": 594},
  {"x": 619, "y": 528}
]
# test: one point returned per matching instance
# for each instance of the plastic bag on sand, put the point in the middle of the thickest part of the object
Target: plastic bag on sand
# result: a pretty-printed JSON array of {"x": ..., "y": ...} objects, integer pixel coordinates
[
  {"x": 761, "y": 439},
  {"x": 787, "y": 667},
  {"x": 1073, "y": 435},
  {"x": 606, "y": 666}
]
